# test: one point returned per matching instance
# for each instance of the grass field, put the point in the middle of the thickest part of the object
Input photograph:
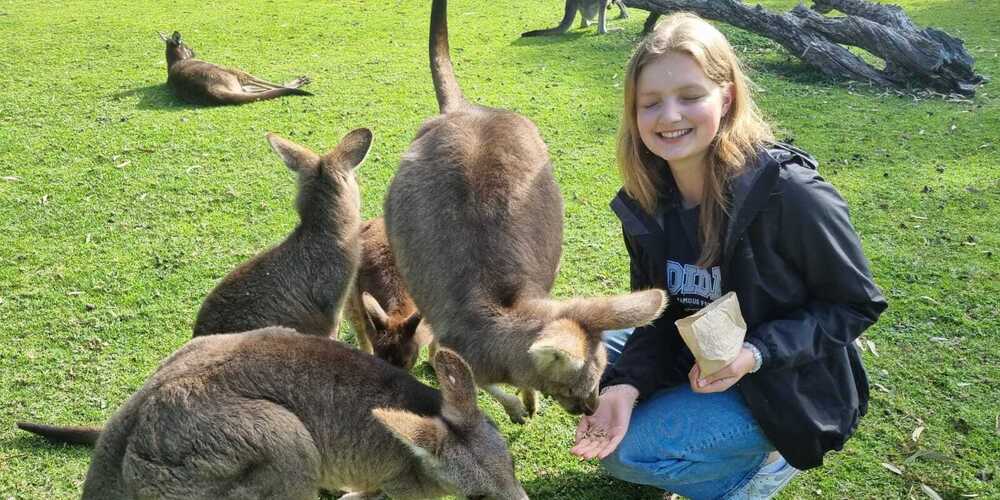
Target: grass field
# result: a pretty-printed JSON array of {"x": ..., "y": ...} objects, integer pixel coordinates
[{"x": 120, "y": 207}]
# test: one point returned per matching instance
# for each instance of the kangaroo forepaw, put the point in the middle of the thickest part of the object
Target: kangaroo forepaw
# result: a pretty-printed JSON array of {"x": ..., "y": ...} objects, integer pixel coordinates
[
  {"x": 519, "y": 414},
  {"x": 530, "y": 402}
]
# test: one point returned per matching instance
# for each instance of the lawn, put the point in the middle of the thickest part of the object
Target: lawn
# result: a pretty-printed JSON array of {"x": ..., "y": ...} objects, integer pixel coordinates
[{"x": 120, "y": 208}]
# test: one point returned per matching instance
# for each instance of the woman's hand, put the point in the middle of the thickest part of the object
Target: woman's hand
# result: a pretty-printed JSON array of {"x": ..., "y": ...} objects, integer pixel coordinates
[
  {"x": 598, "y": 435},
  {"x": 724, "y": 378}
]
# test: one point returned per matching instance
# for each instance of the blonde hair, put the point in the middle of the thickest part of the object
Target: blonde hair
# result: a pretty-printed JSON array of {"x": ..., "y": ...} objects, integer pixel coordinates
[{"x": 742, "y": 130}]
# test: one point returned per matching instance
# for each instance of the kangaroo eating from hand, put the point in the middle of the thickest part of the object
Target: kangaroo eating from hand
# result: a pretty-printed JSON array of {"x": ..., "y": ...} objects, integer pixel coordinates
[
  {"x": 276, "y": 414},
  {"x": 381, "y": 311},
  {"x": 200, "y": 82},
  {"x": 303, "y": 283},
  {"x": 474, "y": 217},
  {"x": 588, "y": 9}
]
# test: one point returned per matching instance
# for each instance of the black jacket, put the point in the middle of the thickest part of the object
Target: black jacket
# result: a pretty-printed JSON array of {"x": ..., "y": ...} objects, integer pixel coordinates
[{"x": 795, "y": 263}]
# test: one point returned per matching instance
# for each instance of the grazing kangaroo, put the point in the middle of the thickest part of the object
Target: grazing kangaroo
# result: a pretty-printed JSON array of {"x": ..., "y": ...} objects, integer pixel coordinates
[
  {"x": 474, "y": 217},
  {"x": 382, "y": 313},
  {"x": 588, "y": 9},
  {"x": 272, "y": 414},
  {"x": 200, "y": 82},
  {"x": 302, "y": 283}
]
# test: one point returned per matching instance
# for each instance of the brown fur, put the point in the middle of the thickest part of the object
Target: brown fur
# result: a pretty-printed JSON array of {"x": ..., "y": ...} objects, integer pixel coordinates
[
  {"x": 474, "y": 217},
  {"x": 302, "y": 283},
  {"x": 273, "y": 414},
  {"x": 200, "y": 82},
  {"x": 386, "y": 321}
]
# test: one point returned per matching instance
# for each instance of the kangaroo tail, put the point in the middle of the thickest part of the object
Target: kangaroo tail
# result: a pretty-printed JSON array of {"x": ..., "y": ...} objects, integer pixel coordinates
[
  {"x": 449, "y": 94},
  {"x": 71, "y": 435}
]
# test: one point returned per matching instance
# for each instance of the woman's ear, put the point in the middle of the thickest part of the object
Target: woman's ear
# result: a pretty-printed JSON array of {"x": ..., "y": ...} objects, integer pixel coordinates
[{"x": 727, "y": 98}]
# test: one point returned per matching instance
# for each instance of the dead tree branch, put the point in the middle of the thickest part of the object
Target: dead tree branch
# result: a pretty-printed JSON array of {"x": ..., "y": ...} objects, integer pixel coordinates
[{"x": 923, "y": 58}]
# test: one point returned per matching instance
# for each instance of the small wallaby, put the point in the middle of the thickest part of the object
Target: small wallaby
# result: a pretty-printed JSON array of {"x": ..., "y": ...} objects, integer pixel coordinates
[
  {"x": 303, "y": 283},
  {"x": 272, "y": 414},
  {"x": 588, "y": 9},
  {"x": 474, "y": 218},
  {"x": 200, "y": 82},
  {"x": 382, "y": 313}
]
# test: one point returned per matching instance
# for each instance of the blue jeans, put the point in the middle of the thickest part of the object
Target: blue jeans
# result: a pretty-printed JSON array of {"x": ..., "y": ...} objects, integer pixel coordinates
[{"x": 702, "y": 446}]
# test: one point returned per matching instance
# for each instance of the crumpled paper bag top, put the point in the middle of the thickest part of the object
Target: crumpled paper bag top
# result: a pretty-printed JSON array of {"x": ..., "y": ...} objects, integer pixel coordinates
[{"x": 715, "y": 333}]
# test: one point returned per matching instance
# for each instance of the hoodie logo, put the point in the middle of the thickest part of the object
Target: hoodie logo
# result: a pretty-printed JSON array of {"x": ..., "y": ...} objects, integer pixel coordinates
[{"x": 694, "y": 287}]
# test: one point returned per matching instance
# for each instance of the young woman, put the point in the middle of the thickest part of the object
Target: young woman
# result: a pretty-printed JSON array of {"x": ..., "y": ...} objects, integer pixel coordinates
[{"x": 710, "y": 205}]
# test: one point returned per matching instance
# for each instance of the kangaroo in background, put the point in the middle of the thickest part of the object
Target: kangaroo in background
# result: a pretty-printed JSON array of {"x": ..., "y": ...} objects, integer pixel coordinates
[
  {"x": 200, "y": 82},
  {"x": 474, "y": 218},
  {"x": 382, "y": 313},
  {"x": 588, "y": 9},
  {"x": 303, "y": 283},
  {"x": 275, "y": 414}
]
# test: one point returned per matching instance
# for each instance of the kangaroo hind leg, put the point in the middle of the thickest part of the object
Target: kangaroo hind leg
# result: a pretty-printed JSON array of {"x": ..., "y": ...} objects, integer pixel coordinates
[{"x": 231, "y": 449}]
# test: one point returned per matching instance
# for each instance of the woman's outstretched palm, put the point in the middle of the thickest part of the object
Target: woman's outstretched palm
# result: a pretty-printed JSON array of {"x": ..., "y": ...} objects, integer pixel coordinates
[{"x": 598, "y": 435}]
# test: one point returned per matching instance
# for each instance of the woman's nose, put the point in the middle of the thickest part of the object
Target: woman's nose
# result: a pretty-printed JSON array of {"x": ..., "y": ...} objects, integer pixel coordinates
[{"x": 670, "y": 111}]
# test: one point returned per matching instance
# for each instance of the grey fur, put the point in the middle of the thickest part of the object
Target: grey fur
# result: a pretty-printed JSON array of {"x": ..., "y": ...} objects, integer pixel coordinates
[
  {"x": 589, "y": 10},
  {"x": 474, "y": 217},
  {"x": 273, "y": 414},
  {"x": 302, "y": 283}
]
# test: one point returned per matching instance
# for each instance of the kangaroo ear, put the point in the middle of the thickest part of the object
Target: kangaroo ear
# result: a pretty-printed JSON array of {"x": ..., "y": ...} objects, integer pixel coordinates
[
  {"x": 616, "y": 312},
  {"x": 176, "y": 37},
  {"x": 163, "y": 37},
  {"x": 457, "y": 387},
  {"x": 353, "y": 148},
  {"x": 411, "y": 324},
  {"x": 375, "y": 312},
  {"x": 422, "y": 435},
  {"x": 561, "y": 348},
  {"x": 297, "y": 158}
]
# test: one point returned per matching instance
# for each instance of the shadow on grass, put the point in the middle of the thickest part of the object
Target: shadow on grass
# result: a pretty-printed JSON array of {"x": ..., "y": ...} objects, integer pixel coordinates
[
  {"x": 795, "y": 71},
  {"x": 542, "y": 41},
  {"x": 564, "y": 485},
  {"x": 37, "y": 446},
  {"x": 157, "y": 97}
]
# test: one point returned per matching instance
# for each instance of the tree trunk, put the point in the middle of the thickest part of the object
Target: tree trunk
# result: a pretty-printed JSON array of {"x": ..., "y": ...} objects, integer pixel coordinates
[{"x": 922, "y": 58}]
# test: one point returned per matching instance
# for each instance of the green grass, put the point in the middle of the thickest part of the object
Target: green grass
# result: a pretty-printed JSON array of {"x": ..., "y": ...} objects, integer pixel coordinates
[{"x": 120, "y": 208}]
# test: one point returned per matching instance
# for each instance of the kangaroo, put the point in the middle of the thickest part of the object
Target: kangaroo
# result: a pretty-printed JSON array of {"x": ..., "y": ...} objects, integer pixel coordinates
[
  {"x": 389, "y": 333},
  {"x": 200, "y": 82},
  {"x": 274, "y": 414},
  {"x": 303, "y": 282},
  {"x": 588, "y": 9},
  {"x": 474, "y": 219}
]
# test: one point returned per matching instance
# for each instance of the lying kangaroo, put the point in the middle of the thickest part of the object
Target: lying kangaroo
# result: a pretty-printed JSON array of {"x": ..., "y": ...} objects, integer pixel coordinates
[
  {"x": 302, "y": 283},
  {"x": 382, "y": 313},
  {"x": 199, "y": 82},
  {"x": 474, "y": 217},
  {"x": 275, "y": 414},
  {"x": 588, "y": 9}
]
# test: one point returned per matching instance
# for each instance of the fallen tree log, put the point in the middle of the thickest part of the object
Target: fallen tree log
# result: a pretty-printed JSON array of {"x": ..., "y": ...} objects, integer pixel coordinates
[{"x": 914, "y": 58}]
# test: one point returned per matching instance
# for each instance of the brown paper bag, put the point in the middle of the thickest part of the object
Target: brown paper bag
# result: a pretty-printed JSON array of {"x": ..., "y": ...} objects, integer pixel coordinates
[{"x": 715, "y": 333}]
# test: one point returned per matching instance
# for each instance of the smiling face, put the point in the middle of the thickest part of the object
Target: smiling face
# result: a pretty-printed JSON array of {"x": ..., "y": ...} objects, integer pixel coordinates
[{"x": 678, "y": 109}]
